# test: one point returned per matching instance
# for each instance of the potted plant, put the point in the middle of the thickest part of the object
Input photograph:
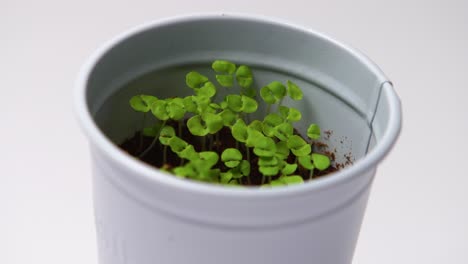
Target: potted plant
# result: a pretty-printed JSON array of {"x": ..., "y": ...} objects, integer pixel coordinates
[{"x": 144, "y": 215}]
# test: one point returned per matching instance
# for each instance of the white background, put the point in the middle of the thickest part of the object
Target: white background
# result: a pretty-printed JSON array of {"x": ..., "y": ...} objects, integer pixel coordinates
[{"x": 418, "y": 209}]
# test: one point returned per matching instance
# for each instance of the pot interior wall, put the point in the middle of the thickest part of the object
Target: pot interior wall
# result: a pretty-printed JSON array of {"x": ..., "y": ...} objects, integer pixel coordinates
[{"x": 349, "y": 129}]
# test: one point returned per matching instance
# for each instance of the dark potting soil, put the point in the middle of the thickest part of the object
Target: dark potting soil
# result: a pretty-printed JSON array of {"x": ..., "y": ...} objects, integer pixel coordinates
[{"x": 138, "y": 143}]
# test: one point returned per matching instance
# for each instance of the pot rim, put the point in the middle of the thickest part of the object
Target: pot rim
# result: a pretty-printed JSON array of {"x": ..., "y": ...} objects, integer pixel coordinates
[{"x": 149, "y": 173}]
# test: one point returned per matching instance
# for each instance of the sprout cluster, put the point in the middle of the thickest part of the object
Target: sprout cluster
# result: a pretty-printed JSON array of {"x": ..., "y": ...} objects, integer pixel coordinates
[{"x": 270, "y": 144}]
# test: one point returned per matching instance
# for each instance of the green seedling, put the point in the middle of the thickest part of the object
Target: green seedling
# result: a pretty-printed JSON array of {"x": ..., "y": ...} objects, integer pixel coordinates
[
  {"x": 241, "y": 103},
  {"x": 244, "y": 78},
  {"x": 283, "y": 131},
  {"x": 314, "y": 161},
  {"x": 290, "y": 114},
  {"x": 167, "y": 133},
  {"x": 264, "y": 146},
  {"x": 273, "y": 93},
  {"x": 231, "y": 157},
  {"x": 208, "y": 123},
  {"x": 269, "y": 166},
  {"x": 236, "y": 174},
  {"x": 294, "y": 91},
  {"x": 272, "y": 139},
  {"x": 313, "y": 132},
  {"x": 195, "y": 80},
  {"x": 288, "y": 169},
  {"x": 270, "y": 122},
  {"x": 226, "y": 70},
  {"x": 282, "y": 150},
  {"x": 142, "y": 103},
  {"x": 286, "y": 180},
  {"x": 298, "y": 146}
]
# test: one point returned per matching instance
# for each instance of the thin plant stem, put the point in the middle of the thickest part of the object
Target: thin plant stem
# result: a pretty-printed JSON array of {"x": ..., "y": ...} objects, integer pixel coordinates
[
  {"x": 311, "y": 173},
  {"x": 180, "y": 128},
  {"x": 154, "y": 141},
  {"x": 263, "y": 178},
  {"x": 217, "y": 141},
  {"x": 141, "y": 133},
  {"x": 165, "y": 155}
]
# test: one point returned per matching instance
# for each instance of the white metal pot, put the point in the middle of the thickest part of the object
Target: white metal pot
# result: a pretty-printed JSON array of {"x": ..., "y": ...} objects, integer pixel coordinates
[{"x": 145, "y": 216}]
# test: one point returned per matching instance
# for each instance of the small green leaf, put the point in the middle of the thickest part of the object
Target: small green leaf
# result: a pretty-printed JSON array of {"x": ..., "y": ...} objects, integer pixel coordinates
[
  {"x": 257, "y": 125},
  {"x": 177, "y": 144},
  {"x": 213, "y": 122},
  {"x": 265, "y": 147},
  {"x": 225, "y": 80},
  {"x": 249, "y": 91},
  {"x": 298, "y": 146},
  {"x": 289, "y": 169},
  {"x": 244, "y": 76},
  {"x": 253, "y": 136},
  {"x": 294, "y": 91},
  {"x": 291, "y": 180},
  {"x": 195, "y": 126},
  {"x": 159, "y": 110},
  {"x": 282, "y": 150},
  {"x": 236, "y": 173},
  {"x": 270, "y": 122},
  {"x": 142, "y": 103},
  {"x": 175, "y": 108},
  {"x": 223, "y": 66},
  {"x": 283, "y": 131},
  {"x": 268, "y": 161},
  {"x": 267, "y": 95},
  {"x": 203, "y": 104},
  {"x": 306, "y": 162},
  {"x": 313, "y": 132},
  {"x": 207, "y": 90},
  {"x": 234, "y": 102},
  {"x": 268, "y": 170},
  {"x": 277, "y": 183},
  {"x": 244, "y": 167},
  {"x": 294, "y": 115},
  {"x": 290, "y": 114},
  {"x": 183, "y": 171},
  {"x": 223, "y": 104},
  {"x": 231, "y": 157},
  {"x": 215, "y": 106},
  {"x": 321, "y": 162},
  {"x": 209, "y": 157},
  {"x": 226, "y": 177},
  {"x": 273, "y": 92},
  {"x": 249, "y": 105},
  {"x": 189, "y": 104},
  {"x": 239, "y": 131},
  {"x": 195, "y": 80},
  {"x": 229, "y": 117},
  {"x": 167, "y": 132},
  {"x": 188, "y": 153}
]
